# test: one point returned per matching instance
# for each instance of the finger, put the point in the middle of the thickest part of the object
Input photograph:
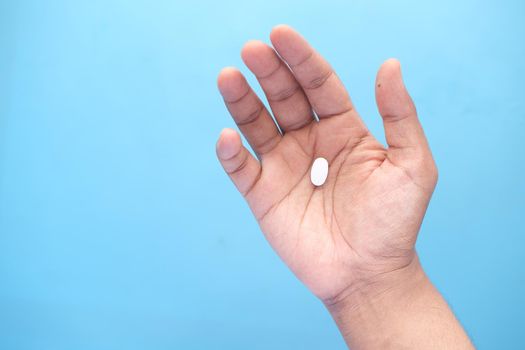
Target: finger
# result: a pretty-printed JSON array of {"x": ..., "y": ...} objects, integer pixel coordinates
[
  {"x": 251, "y": 116},
  {"x": 243, "y": 169},
  {"x": 404, "y": 134},
  {"x": 402, "y": 127},
  {"x": 285, "y": 96},
  {"x": 324, "y": 89}
]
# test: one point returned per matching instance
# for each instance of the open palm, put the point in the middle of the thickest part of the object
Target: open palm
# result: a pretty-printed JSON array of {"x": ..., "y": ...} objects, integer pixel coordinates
[{"x": 363, "y": 221}]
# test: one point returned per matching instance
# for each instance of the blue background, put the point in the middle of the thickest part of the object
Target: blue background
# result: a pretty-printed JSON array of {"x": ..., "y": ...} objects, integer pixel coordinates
[{"x": 118, "y": 228}]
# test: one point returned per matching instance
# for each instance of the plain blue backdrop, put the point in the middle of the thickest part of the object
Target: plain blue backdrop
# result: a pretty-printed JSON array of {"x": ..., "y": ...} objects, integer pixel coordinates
[{"x": 118, "y": 228}]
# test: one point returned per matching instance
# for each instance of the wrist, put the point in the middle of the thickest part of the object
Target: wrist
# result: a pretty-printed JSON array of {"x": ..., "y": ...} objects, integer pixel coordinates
[
  {"x": 398, "y": 284},
  {"x": 373, "y": 289},
  {"x": 374, "y": 311},
  {"x": 398, "y": 309}
]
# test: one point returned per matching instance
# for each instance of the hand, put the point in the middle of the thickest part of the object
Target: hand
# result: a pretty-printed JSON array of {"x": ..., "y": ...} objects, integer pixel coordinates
[
  {"x": 351, "y": 240},
  {"x": 363, "y": 222}
]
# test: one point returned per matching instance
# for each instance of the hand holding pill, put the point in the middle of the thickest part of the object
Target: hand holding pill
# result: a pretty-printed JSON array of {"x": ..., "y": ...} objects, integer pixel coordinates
[
  {"x": 369, "y": 200},
  {"x": 342, "y": 210}
]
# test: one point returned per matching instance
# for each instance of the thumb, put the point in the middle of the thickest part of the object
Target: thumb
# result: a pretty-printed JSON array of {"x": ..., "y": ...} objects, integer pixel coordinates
[{"x": 407, "y": 144}]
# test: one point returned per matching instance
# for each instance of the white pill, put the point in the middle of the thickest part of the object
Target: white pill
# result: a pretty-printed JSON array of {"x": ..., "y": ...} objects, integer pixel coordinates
[{"x": 319, "y": 171}]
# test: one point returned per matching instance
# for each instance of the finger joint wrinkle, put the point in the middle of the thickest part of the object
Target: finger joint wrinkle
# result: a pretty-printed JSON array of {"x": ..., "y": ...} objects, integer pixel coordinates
[
  {"x": 346, "y": 110},
  {"x": 250, "y": 188},
  {"x": 240, "y": 166},
  {"x": 273, "y": 71},
  {"x": 319, "y": 81},
  {"x": 238, "y": 99},
  {"x": 283, "y": 94},
  {"x": 252, "y": 117},
  {"x": 303, "y": 60},
  {"x": 267, "y": 145}
]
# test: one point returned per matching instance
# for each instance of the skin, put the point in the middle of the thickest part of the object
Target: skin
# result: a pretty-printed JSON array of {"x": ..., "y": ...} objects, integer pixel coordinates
[{"x": 351, "y": 240}]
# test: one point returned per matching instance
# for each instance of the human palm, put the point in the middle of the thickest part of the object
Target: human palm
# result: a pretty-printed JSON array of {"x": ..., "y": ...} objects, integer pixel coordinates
[{"x": 363, "y": 221}]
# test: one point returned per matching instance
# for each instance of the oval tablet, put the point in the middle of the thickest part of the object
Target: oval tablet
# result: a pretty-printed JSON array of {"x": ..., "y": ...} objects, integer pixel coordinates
[{"x": 319, "y": 171}]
